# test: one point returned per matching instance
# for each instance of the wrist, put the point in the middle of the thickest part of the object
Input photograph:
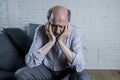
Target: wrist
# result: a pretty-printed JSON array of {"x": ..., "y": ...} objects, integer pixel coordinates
[
  {"x": 52, "y": 42},
  {"x": 60, "y": 41}
]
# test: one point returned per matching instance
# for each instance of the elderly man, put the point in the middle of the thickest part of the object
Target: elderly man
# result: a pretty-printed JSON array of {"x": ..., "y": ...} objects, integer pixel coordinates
[{"x": 56, "y": 51}]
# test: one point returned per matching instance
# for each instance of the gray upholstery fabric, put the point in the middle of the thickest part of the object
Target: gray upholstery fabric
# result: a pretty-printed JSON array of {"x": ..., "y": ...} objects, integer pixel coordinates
[
  {"x": 31, "y": 29},
  {"x": 6, "y": 75},
  {"x": 9, "y": 57},
  {"x": 14, "y": 44},
  {"x": 20, "y": 39}
]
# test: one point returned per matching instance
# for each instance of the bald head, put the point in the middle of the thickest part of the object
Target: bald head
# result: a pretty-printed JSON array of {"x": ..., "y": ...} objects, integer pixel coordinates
[
  {"x": 58, "y": 17},
  {"x": 59, "y": 13}
]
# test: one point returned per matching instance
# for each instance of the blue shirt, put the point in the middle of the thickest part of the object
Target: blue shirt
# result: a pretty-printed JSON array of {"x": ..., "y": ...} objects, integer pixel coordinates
[{"x": 55, "y": 58}]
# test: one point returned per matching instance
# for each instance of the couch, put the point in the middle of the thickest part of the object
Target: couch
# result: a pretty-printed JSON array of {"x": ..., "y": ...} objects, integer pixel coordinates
[{"x": 14, "y": 45}]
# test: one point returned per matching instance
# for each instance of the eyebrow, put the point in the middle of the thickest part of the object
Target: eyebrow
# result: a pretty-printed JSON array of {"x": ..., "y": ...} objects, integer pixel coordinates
[{"x": 57, "y": 24}]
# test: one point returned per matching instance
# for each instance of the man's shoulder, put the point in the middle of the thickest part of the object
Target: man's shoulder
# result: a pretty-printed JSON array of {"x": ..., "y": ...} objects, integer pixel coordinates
[
  {"x": 75, "y": 29},
  {"x": 40, "y": 28}
]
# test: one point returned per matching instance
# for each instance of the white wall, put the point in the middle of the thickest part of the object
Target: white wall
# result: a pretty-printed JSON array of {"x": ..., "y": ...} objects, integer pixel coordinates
[{"x": 98, "y": 20}]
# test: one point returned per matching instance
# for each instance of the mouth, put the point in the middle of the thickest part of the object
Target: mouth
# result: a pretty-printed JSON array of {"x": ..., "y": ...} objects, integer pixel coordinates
[{"x": 57, "y": 34}]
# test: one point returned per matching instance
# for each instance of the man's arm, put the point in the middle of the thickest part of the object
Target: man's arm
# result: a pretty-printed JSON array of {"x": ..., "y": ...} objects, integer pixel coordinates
[
  {"x": 74, "y": 54},
  {"x": 51, "y": 37},
  {"x": 38, "y": 52},
  {"x": 65, "y": 49}
]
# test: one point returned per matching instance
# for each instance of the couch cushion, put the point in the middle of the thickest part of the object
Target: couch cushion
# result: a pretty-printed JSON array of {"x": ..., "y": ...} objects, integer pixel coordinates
[
  {"x": 20, "y": 39},
  {"x": 9, "y": 57},
  {"x": 6, "y": 75},
  {"x": 31, "y": 29}
]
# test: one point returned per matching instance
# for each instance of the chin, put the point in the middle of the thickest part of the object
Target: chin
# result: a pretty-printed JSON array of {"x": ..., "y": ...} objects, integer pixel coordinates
[{"x": 57, "y": 35}]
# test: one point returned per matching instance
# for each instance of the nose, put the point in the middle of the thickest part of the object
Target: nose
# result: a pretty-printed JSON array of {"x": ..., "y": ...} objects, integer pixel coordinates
[{"x": 57, "y": 29}]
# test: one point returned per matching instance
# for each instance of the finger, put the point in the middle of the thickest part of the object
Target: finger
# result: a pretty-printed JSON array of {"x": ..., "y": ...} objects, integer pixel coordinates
[
  {"x": 47, "y": 26},
  {"x": 69, "y": 27},
  {"x": 47, "y": 32},
  {"x": 50, "y": 28},
  {"x": 66, "y": 27}
]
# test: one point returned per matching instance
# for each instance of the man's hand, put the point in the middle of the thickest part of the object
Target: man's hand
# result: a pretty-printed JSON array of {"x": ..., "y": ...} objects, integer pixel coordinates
[
  {"x": 49, "y": 32},
  {"x": 65, "y": 49},
  {"x": 65, "y": 34},
  {"x": 46, "y": 48}
]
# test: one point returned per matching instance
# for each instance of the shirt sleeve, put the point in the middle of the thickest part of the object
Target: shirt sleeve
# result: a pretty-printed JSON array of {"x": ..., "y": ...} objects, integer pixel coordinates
[
  {"x": 35, "y": 57},
  {"x": 78, "y": 58}
]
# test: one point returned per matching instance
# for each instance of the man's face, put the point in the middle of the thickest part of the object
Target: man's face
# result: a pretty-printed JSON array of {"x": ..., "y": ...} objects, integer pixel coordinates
[
  {"x": 57, "y": 29},
  {"x": 59, "y": 20},
  {"x": 58, "y": 26}
]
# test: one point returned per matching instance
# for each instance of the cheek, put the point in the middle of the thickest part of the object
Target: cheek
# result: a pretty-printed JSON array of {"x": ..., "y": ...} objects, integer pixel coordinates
[
  {"x": 62, "y": 29},
  {"x": 53, "y": 29}
]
